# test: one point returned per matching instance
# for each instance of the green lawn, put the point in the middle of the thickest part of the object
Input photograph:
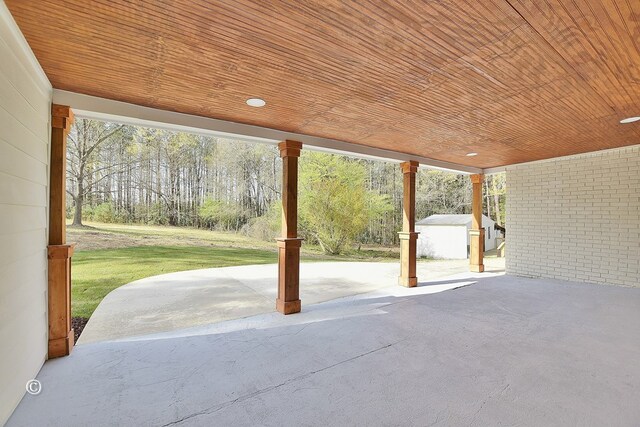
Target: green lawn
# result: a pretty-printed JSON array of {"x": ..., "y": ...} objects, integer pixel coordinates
[{"x": 111, "y": 255}]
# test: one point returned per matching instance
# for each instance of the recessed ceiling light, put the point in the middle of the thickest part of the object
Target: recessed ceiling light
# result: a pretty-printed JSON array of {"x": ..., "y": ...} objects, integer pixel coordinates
[
  {"x": 630, "y": 120},
  {"x": 472, "y": 154},
  {"x": 256, "y": 102}
]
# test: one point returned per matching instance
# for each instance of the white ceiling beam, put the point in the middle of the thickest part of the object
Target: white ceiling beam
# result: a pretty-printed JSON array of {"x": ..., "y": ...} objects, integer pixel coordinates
[
  {"x": 108, "y": 110},
  {"x": 493, "y": 171}
]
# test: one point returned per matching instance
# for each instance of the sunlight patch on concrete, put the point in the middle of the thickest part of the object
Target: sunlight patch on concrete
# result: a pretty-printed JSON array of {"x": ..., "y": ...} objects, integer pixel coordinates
[{"x": 176, "y": 301}]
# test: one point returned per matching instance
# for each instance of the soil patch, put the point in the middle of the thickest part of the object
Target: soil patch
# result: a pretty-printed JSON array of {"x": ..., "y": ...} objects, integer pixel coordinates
[{"x": 78, "y": 324}]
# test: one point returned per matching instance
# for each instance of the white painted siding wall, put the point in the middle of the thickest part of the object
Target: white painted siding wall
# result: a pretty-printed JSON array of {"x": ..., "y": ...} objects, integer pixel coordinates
[
  {"x": 442, "y": 241},
  {"x": 451, "y": 241},
  {"x": 576, "y": 218},
  {"x": 489, "y": 233},
  {"x": 25, "y": 99}
]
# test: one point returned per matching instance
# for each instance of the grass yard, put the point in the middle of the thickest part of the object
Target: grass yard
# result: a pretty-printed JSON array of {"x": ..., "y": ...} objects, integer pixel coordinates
[{"x": 111, "y": 255}]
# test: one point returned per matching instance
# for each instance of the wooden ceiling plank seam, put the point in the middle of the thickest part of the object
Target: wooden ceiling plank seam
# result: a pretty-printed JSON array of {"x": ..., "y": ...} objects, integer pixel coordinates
[
  {"x": 604, "y": 92},
  {"x": 598, "y": 49},
  {"x": 454, "y": 56},
  {"x": 635, "y": 41},
  {"x": 621, "y": 40},
  {"x": 528, "y": 92},
  {"x": 612, "y": 48},
  {"x": 510, "y": 96},
  {"x": 548, "y": 42}
]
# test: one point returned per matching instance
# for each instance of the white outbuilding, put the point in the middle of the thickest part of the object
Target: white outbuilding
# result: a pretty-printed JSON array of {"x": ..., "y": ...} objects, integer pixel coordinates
[{"x": 447, "y": 236}]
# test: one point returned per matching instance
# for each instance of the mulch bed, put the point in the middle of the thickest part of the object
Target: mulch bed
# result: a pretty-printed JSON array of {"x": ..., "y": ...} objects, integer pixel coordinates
[{"x": 78, "y": 324}]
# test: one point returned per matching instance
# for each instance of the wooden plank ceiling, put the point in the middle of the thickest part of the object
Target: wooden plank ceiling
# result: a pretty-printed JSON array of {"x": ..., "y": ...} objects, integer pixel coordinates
[{"x": 514, "y": 81}]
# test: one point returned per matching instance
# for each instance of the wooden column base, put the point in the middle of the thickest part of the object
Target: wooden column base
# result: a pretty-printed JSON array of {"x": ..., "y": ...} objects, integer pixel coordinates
[
  {"x": 61, "y": 338},
  {"x": 408, "y": 251},
  {"x": 476, "y": 257},
  {"x": 288, "y": 301},
  {"x": 288, "y": 307},
  {"x": 408, "y": 282},
  {"x": 59, "y": 347}
]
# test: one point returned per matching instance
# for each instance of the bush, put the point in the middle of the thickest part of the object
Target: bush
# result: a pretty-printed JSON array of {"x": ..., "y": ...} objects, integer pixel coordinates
[
  {"x": 155, "y": 215},
  {"x": 216, "y": 214},
  {"x": 267, "y": 226},
  {"x": 104, "y": 212},
  {"x": 335, "y": 205}
]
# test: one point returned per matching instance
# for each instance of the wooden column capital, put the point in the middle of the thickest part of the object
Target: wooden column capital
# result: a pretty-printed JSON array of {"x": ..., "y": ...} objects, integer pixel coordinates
[
  {"x": 60, "y": 251},
  {"x": 409, "y": 167},
  {"x": 290, "y": 148},
  {"x": 292, "y": 242},
  {"x": 61, "y": 117},
  {"x": 408, "y": 235},
  {"x": 477, "y": 178}
]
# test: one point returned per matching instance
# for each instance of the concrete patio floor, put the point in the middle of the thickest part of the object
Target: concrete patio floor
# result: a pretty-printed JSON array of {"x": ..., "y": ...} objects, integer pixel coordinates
[
  {"x": 180, "y": 300},
  {"x": 500, "y": 350}
]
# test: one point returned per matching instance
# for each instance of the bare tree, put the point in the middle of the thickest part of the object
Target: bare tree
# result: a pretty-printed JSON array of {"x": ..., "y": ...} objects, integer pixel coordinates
[{"x": 85, "y": 168}]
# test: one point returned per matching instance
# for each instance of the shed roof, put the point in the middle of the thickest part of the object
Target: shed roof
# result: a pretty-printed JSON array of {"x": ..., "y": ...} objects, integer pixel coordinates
[{"x": 450, "y": 219}]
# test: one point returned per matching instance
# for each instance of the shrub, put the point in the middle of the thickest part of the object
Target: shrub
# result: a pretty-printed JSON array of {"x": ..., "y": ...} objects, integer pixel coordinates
[
  {"x": 267, "y": 226},
  {"x": 216, "y": 214},
  {"x": 104, "y": 212}
]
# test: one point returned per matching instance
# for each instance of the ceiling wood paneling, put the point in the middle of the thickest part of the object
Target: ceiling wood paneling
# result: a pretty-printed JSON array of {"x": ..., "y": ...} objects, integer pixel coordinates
[{"x": 515, "y": 80}]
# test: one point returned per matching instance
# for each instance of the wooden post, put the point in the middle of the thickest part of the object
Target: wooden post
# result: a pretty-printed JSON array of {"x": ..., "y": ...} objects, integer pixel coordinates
[
  {"x": 408, "y": 235},
  {"x": 288, "y": 300},
  {"x": 476, "y": 234},
  {"x": 59, "y": 253}
]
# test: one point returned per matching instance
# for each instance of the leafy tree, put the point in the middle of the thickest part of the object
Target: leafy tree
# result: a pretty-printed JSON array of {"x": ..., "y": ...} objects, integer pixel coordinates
[{"x": 335, "y": 205}]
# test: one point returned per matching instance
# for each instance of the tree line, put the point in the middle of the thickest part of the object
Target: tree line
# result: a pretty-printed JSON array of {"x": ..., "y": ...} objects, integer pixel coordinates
[{"x": 130, "y": 174}]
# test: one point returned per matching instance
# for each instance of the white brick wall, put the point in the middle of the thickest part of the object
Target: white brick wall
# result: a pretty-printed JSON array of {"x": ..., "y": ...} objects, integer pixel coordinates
[{"x": 576, "y": 218}]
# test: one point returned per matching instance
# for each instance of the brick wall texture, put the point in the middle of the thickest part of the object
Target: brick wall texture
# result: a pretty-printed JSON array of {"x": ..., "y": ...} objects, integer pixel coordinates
[{"x": 576, "y": 218}]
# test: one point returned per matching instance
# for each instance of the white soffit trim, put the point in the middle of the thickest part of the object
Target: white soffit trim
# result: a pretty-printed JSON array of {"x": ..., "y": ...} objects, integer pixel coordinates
[
  {"x": 108, "y": 110},
  {"x": 11, "y": 34},
  {"x": 493, "y": 171}
]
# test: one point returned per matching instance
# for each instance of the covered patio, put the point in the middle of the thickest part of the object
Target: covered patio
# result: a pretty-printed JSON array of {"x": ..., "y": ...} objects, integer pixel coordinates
[
  {"x": 495, "y": 350},
  {"x": 547, "y": 91}
]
